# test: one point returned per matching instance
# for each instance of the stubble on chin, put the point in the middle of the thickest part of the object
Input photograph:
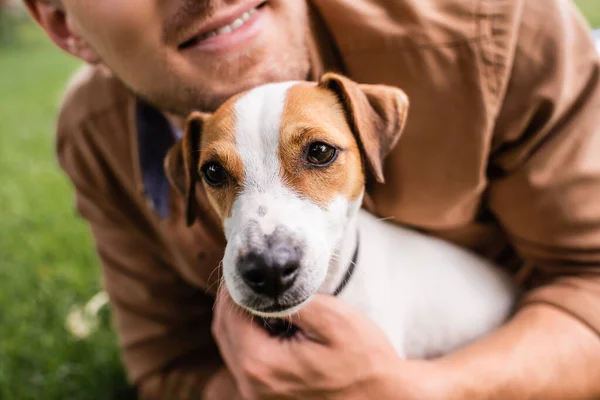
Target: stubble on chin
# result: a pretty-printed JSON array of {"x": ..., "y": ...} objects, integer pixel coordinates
[
  {"x": 223, "y": 77},
  {"x": 246, "y": 72}
]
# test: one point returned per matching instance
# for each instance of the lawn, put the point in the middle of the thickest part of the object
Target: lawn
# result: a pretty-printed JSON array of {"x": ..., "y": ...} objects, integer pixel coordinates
[
  {"x": 591, "y": 9},
  {"x": 47, "y": 261}
]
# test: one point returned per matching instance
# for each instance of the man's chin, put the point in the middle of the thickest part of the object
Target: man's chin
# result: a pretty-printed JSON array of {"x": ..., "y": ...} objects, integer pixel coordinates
[{"x": 208, "y": 87}]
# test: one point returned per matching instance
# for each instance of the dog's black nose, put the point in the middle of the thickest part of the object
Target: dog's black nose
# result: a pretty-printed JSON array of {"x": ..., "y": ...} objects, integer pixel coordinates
[{"x": 271, "y": 272}]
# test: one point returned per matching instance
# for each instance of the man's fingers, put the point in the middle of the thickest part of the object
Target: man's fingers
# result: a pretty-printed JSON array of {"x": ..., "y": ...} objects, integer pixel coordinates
[
  {"x": 233, "y": 323},
  {"x": 324, "y": 317},
  {"x": 230, "y": 317},
  {"x": 244, "y": 343},
  {"x": 322, "y": 320},
  {"x": 223, "y": 303}
]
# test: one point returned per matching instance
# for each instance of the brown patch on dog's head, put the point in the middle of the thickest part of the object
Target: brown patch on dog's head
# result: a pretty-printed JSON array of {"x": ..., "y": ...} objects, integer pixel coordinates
[
  {"x": 376, "y": 115},
  {"x": 313, "y": 115},
  {"x": 207, "y": 138},
  {"x": 218, "y": 145},
  {"x": 363, "y": 122}
]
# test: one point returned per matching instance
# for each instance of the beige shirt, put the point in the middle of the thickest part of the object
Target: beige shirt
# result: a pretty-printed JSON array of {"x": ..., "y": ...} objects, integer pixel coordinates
[{"x": 501, "y": 154}]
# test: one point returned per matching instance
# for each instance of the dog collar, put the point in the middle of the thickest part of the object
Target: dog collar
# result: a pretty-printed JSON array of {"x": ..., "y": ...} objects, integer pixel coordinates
[{"x": 349, "y": 271}]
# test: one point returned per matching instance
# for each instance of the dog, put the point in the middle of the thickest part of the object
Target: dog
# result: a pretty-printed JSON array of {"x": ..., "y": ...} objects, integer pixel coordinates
[{"x": 285, "y": 166}]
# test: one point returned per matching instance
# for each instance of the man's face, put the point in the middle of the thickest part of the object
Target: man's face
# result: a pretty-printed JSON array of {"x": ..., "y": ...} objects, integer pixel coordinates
[{"x": 194, "y": 54}]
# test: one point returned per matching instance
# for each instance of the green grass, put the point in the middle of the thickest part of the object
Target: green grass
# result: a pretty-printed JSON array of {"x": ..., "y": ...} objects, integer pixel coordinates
[
  {"x": 47, "y": 261},
  {"x": 591, "y": 9}
]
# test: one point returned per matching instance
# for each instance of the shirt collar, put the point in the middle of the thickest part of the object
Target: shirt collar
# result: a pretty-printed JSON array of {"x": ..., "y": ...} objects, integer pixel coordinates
[{"x": 155, "y": 137}]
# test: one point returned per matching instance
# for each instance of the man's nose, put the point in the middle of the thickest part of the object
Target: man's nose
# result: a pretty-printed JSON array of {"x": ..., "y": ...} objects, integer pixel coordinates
[{"x": 271, "y": 272}]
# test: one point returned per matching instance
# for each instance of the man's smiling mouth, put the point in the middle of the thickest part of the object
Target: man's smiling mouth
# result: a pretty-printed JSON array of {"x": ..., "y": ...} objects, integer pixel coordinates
[
  {"x": 225, "y": 26},
  {"x": 238, "y": 23}
]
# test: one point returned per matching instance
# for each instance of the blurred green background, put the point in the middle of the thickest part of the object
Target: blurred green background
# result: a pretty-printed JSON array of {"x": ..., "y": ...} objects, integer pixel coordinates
[{"x": 47, "y": 259}]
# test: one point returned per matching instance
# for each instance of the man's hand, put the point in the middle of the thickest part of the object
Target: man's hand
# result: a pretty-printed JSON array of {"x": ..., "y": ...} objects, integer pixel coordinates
[
  {"x": 339, "y": 354},
  {"x": 222, "y": 386}
]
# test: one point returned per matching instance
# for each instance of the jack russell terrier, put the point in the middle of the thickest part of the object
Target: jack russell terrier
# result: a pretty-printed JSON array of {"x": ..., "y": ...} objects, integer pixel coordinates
[{"x": 285, "y": 166}]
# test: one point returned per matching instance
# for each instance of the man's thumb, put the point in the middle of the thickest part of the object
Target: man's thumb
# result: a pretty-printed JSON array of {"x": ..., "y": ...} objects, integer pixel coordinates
[{"x": 324, "y": 317}]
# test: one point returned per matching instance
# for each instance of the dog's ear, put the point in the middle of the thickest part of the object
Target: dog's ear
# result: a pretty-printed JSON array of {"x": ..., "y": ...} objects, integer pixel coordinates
[
  {"x": 181, "y": 163},
  {"x": 174, "y": 168},
  {"x": 376, "y": 115}
]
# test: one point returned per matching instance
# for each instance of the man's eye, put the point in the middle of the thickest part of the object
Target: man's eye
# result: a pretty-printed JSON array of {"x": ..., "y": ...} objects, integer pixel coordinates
[
  {"x": 321, "y": 154},
  {"x": 214, "y": 174}
]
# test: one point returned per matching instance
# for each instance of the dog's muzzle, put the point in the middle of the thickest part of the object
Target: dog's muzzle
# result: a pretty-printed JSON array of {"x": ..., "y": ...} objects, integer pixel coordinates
[
  {"x": 284, "y": 327},
  {"x": 272, "y": 271}
]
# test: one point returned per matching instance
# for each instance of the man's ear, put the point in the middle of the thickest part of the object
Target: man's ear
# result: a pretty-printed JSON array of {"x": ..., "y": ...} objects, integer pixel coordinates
[
  {"x": 54, "y": 20},
  {"x": 181, "y": 163},
  {"x": 376, "y": 115}
]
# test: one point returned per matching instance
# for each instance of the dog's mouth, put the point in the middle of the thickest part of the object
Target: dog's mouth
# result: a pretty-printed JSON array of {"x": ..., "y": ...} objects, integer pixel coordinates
[
  {"x": 274, "y": 321},
  {"x": 277, "y": 309}
]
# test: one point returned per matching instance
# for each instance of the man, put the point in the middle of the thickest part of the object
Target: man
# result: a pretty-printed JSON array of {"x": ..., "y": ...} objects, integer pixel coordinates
[{"x": 500, "y": 155}]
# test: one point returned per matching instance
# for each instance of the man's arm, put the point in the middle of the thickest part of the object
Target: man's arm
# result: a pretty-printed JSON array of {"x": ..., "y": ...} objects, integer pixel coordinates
[
  {"x": 545, "y": 194},
  {"x": 163, "y": 322},
  {"x": 542, "y": 353}
]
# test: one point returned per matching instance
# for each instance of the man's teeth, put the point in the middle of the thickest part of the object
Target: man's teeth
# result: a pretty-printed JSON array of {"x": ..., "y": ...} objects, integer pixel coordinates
[{"x": 231, "y": 27}]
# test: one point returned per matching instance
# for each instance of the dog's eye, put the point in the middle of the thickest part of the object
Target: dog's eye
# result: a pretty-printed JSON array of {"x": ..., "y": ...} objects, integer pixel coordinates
[
  {"x": 321, "y": 154},
  {"x": 214, "y": 174}
]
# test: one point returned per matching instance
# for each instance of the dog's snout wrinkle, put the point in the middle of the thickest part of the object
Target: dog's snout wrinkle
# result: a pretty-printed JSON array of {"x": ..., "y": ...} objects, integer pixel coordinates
[
  {"x": 254, "y": 236},
  {"x": 280, "y": 235},
  {"x": 262, "y": 211}
]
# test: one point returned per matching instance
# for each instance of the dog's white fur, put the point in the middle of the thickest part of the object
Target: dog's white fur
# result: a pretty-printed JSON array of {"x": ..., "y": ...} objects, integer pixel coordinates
[
  {"x": 429, "y": 296},
  {"x": 318, "y": 231}
]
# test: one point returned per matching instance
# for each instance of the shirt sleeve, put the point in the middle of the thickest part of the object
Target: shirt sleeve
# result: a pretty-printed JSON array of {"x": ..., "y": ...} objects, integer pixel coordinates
[
  {"x": 163, "y": 323},
  {"x": 545, "y": 162}
]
